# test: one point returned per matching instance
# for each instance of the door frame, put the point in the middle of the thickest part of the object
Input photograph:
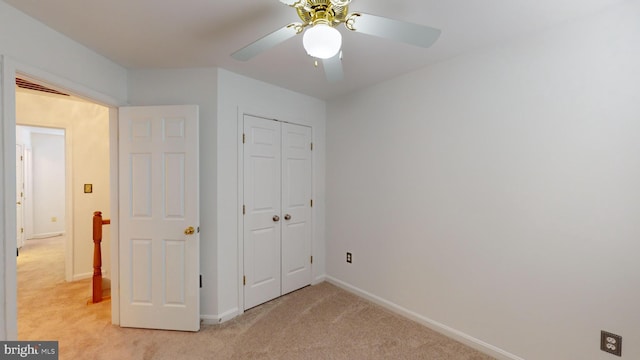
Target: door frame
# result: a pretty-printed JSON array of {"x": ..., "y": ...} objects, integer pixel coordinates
[
  {"x": 240, "y": 166},
  {"x": 8, "y": 285}
]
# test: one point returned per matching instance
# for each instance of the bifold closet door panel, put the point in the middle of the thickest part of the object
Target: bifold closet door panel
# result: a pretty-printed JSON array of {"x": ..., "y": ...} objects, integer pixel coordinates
[
  {"x": 262, "y": 199},
  {"x": 296, "y": 207}
]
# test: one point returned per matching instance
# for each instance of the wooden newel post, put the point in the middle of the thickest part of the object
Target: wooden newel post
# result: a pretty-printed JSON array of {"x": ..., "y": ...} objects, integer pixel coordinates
[{"x": 97, "y": 257}]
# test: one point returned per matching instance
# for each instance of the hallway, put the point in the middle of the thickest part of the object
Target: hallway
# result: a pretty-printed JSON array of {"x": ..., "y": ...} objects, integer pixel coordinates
[{"x": 48, "y": 307}]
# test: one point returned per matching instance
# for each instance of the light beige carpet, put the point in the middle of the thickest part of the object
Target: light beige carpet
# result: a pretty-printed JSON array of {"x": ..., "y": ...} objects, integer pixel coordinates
[{"x": 317, "y": 322}]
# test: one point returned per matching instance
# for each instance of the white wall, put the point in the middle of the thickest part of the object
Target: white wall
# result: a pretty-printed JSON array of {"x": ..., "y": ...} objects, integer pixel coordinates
[
  {"x": 237, "y": 94},
  {"x": 48, "y": 184},
  {"x": 497, "y": 193},
  {"x": 30, "y": 42},
  {"x": 36, "y": 49},
  {"x": 87, "y": 131},
  {"x": 219, "y": 93}
]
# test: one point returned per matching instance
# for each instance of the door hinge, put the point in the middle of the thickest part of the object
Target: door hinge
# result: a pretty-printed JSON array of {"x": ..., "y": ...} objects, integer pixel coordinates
[
  {"x": 244, "y": 210},
  {"x": 244, "y": 280},
  {"x": 311, "y": 146},
  {"x": 244, "y": 138},
  {"x": 200, "y": 281},
  {"x": 311, "y": 202},
  {"x": 21, "y": 158},
  {"x": 312, "y": 259},
  {"x": 21, "y": 230}
]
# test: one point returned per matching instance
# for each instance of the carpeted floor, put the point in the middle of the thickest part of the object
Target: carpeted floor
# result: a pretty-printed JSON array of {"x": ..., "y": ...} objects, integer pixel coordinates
[{"x": 317, "y": 322}]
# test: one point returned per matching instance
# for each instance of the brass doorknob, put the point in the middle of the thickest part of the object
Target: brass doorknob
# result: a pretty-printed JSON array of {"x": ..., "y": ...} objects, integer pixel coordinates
[
  {"x": 276, "y": 218},
  {"x": 287, "y": 217},
  {"x": 19, "y": 203},
  {"x": 189, "y": 231}
]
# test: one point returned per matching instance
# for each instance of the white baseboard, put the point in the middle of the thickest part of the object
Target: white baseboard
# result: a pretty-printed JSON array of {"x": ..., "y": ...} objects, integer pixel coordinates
[
  {"x": 209, "y": 319},
  {"x": 45, "y": 235},
  {"x": 77, "y": 277},
  {"x": 320, "y": 279},
  {"x": 431, "y": 324},
  {"x": 220, "y": 318}
]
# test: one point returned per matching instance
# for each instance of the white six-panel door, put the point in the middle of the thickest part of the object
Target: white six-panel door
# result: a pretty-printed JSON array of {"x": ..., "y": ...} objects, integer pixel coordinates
[
  {"x": 262, "y": 168},
  {"x": 296, "y": 207},
  {"x": 277, "y": 209},
  {"x": 159, "y": 217}
]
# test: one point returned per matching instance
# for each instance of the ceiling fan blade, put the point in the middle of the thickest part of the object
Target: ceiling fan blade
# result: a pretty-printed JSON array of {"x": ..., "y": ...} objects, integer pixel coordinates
[
  {"x": 266, "y": 42},
  {"x": 333, "y": 68},
  {"x": 414, "y": 34}
]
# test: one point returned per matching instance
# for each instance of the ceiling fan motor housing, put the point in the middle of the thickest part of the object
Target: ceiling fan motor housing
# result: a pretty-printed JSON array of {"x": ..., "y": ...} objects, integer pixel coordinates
[{"x": 330, "y": 12}]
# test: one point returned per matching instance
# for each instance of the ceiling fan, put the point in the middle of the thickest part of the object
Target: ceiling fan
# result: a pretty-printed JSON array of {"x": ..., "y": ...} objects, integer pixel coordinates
[{"x": 323, "y": 41}]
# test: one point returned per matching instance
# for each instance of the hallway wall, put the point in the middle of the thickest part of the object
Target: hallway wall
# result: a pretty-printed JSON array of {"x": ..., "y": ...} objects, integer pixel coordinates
[{"x": 48, "y": 184}]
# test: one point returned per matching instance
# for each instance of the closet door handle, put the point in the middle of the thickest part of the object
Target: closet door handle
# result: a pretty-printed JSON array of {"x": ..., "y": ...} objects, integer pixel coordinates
[
  {"x": 276, "y": 218},
  {"x": 287, "y": 217}
]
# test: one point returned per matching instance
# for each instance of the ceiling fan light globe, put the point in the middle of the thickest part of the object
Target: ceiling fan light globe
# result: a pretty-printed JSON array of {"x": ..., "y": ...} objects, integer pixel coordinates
[{"x": 322, "y": 41}]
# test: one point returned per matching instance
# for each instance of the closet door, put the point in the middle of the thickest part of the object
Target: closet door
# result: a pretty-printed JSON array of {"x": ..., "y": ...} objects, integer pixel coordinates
[
  {"x": 262, "y": 185},
  {"x": 277, "y": 209},
  {"x": 296, "y": 207}
]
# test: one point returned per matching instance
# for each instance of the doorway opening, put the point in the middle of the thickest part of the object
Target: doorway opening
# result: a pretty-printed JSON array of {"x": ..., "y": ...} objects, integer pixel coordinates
[
  {"x": 41, "y": 204},
  {"x": 65, "y": 144}
]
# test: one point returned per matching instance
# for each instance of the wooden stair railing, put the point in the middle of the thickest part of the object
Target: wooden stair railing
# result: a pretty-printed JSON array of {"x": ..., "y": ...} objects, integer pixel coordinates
[{"x": 97, "y": 255}]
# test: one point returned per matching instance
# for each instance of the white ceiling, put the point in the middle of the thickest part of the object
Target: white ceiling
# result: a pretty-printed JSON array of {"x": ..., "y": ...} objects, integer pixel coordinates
[{"x": 203, "y": 33}]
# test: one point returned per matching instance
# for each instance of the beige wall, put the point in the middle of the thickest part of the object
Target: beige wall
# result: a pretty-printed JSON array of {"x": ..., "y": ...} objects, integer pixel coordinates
[{"x": 87, "y": 130}]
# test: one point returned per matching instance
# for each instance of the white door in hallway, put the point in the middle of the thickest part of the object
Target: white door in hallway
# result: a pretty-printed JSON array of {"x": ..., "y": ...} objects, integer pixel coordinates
[
  {"x": 19, "y": 195},
  {"x": 277, "y": 209},
  {"x": 159, "y": 241}
]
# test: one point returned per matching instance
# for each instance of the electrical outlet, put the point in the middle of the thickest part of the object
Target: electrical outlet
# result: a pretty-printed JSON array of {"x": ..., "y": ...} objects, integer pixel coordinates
[
  {"x": 611, "y": 343},
  {"x": 349, "y": 257}
]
